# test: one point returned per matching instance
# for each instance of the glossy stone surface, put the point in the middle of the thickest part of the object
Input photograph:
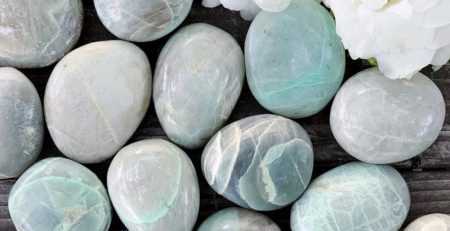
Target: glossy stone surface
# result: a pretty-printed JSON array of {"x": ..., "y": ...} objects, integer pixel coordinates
[
  {"x": 295, "y": 60},
  {"x": 153, "y": 186},
  {"x": 262, "y": 162},
  {"x": 142, "y": 20},
  {"x": 238, "y": 219},
  {"x": 379, "y": 120},
  {"x": 198, "y": 80},
  {"x": 432, "y": 222},
  {"x": 59, "y": 194},
  {"x": 96, "y": 98},
  {"x": 36, "y": 33},
  {"x": 353, "y": 197}
]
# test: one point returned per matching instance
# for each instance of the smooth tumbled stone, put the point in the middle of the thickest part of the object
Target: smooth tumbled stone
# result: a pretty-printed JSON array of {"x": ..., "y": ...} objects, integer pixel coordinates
[
  {"x": 432, "y": 222},
  {"x": 153, "y": 186},
  {"x": 238, "y": 219},
  {"x": 96, "y": 98},
  {"x": 351, "y": 197},
  {"x": 142, "y": 20},
  {"x": 38, "y": 33},
  {"x": 261, "y": 162},
  {"x": 21, "y": 123},
  {"x": 59, "y": 194},
  {"x": 380, "y": 120},
  {"x": 198, "y": 80},
  {"x": 295, "y": 60}
]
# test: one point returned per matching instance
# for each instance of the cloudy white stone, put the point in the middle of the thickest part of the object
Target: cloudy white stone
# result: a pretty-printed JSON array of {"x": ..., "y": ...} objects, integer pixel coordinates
[{"x": 431, "y": 222}]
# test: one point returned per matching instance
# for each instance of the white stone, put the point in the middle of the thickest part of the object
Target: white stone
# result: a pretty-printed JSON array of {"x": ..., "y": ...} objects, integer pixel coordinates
[{"x": 431, "y": 222}]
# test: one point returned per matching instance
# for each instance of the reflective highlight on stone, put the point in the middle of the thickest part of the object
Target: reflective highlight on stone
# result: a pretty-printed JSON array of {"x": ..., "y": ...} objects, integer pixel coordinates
[
  {"x": 153, "y": 186},
  {"x": 379, "y": 120},
  {"x": 261, "y": 162},
  {"x": 432, "y": 222},
  {"x": 353, "y": 197},
  {"x": 198, "y": 80},
  {"x": 59, "y": 194}
]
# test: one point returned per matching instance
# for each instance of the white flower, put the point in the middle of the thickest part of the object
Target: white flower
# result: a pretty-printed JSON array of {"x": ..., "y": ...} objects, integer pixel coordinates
[{"x": 403, "y": 35}]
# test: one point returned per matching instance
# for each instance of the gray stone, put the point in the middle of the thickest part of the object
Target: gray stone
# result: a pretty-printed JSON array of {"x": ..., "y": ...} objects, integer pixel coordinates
[{"x": 431, "y": 222}]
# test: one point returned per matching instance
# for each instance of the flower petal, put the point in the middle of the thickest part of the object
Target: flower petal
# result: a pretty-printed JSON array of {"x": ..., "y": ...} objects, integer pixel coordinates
[
  {"x": 442, "y": 56},
  {"x": 273, "y": 5},
  {"x": 404, "y": 64},
  {"x": 250, "y": 11},
  {"x": 210, "y": 3},
  {"x": 374, "y": 4}
]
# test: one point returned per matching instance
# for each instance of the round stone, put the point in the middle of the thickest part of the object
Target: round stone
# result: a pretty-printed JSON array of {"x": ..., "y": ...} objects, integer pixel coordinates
[
  {"x": 142, "y": 20},
  {"x": 354, "y": 196},
  {"x": 261, "y": 162},
  {"x": 36, "y": 33},
  {"x": 21, "y": 123},
  {"x": 380, "y": 120},
  {"x": 59, "y": 194},
  {"x": 238, "y": 219},
  {"x": 198, "y": 80},
  {"x": 295, "y": 60},
  {"x": 153, "y": 186},
  {"x": 432, "y": 222},
  {"x": 96, "y": 98}
]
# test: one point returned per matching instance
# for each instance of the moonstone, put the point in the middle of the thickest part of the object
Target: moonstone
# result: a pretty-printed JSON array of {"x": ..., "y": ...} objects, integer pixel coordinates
[
  {"x": 198, "y": 80},
  {"x": 379, "y": 120},
  {"x": 432, "y": 222},
  {"x": 261, "y": 162},
  {"x": 353, "y": 197},
  {"x": 21, "y": 123},
  {"x": 295, "y": 60},
  {"x": 59, "y": 194},
  {"x": 153, "y": 186},
  {"x": 142, "y": 20},
  {"x": 96, "y": 98},
  {"x": 36, "y": 33}
]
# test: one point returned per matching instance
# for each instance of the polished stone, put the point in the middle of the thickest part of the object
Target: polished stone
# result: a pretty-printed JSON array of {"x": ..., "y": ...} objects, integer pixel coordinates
[
  {"x": 38, "y": 33},
  {"x": 295, "y": 60},
  {"x": 262, "y": 162},
  {"x": 21, "y": 123},
  {"x": 59, "y": 194},
  {"x": 379, "y": 120},
  {"x": 153, "y": 186},
  {"x": 198, "y": 80},
  {"x": 432, "y": 222},
  {"x": 353, "y": 197},
  {"x": 142, "y": 20},
  {"x": 96, "y": 98}
]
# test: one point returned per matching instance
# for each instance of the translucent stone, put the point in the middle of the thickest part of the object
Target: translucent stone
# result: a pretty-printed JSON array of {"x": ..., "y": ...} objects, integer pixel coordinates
[
  {"x": 295, "y": 60},
  {"x": 153, "y": 187},
  {"x": 261, "y": 162},
  {"x": 21, "y": 123},
  {"x": 59, "y": 194},
  {"x": 38, "y": 33},
  {"x": 379, "y": 120},
  {"x": 198, "y": 80},
  {"x": 353, "y": 197},
  {"x": 96, "y": 98},
  {"x": 142, "y": 20},
  {"x": 432, "y": 222}
]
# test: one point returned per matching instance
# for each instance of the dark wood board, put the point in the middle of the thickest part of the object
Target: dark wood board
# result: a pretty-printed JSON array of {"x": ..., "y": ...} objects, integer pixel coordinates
[{"x": 428, "y": 175}]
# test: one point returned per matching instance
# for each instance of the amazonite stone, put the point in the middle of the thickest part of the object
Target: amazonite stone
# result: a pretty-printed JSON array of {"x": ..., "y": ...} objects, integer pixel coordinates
[
  {"x": 142, "y": 20},
  {"x": 262, "y": 162},
  {"x": 198, "y": 80},
  {"x": 238, "y": 219},
  {"x": 36, "y": 33},
  {"x": 295, "y": 60},
  {"x": 380, "y": 120},
  {"x": 153, "y": 186},
  {"x": 21, "y": 123},
  {"x": 432, "y": 222},
  {"x": 59, "y": 194},
  {"x": 353, "y": 197}
]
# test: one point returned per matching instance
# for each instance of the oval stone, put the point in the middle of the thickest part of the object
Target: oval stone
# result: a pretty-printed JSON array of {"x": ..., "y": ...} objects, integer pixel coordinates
[
  {"x": 153, "y": 186},
  {"x": 431, "y": 222},
  {"x": 351, "y": 197},
  {"x": 198, "y": 80},
  {"x": 38, "y": 33},
  {"x": 59, "y": 194},
  {"x": 142, "y": 20},
  {"x": 380, "y": 120},
  {"x": 261, "y": 162},
  {"x": 295, "y": 60},
  {"x": 21, "y": 123},
  {"x": 96, "y": 98}
]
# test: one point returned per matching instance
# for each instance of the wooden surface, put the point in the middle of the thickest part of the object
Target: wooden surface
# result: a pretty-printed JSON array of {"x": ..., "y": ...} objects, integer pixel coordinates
[{"x": 428, "y": 175}]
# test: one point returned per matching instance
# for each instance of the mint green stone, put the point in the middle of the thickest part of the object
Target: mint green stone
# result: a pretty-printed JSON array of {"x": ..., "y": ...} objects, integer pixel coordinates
[{"x": 295, "y": 60}]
